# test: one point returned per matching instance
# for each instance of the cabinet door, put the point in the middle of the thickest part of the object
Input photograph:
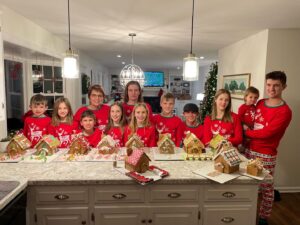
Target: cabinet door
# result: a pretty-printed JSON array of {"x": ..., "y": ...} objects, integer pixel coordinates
[
  {"x": 120, "y": 215},
  {"x": 175, "y": 215},
  {"x": 231, "y": 214},
  {"x": 62, "y": 216}
]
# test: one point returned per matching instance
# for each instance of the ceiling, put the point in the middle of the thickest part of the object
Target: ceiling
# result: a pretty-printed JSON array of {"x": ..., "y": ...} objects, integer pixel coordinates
[{"x": 163, "y": 27}]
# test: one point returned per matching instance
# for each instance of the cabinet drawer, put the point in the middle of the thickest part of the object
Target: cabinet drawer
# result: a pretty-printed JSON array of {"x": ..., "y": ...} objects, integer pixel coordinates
[
  {"x": 233, "y": 215},
  {"x": 230, "y": 193},
  {"x": 174, "y": 194},
  {"x": 61, "y": 195},
  {"x": 122, "y": 193}
]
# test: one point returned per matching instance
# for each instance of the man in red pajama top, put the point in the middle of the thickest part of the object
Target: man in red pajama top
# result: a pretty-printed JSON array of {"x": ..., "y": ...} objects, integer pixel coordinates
[{"x": 272, "y": 117}]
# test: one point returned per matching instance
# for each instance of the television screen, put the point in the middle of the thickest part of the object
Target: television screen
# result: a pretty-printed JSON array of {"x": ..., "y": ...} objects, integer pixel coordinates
[{"x": 154, "y": 79}]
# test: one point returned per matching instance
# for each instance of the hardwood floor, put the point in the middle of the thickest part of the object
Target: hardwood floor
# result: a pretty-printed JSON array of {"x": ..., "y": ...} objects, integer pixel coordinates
[{"x": 286, "y": 211}]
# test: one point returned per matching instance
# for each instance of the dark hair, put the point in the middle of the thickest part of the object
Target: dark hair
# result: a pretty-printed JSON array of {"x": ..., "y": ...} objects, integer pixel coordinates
[
  {"x": 38, "y": 99},
  {"x": 88, "y": 113},
  {"x": 191, "y": 107},
  {"x": 252, "y": 90},
  {"x": 167, "y": 96},
  {"x": 133, "y": 82},
  {"x": 95, "y": 87},
  {"x": 277, "y": 75}
]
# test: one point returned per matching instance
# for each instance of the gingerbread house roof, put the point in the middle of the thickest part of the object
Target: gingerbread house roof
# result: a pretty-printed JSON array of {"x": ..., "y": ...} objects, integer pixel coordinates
[
  {"x": 81, "y": 140},
  {"x": 163, "y": 138},
  {"x": 107, "y": 141},
  {"x": 191, "y": 139},
  {"x": 255, "y": 163},
  {"x": 230, "y": 156},
  {"x": 50, "y": 140},
  {"x": 22, "y": 140},
  {"x": 135, "y": 157},
  {"x": 134, "y": 138},
  {"x": 216, "y": 140}
]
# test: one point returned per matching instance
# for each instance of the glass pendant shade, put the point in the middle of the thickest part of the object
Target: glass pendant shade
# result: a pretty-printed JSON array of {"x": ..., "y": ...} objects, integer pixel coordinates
[
  {"x": 132, "y": 71},
  {"x": 70, "y": 68},
  {"x": 191, "y": 68}
]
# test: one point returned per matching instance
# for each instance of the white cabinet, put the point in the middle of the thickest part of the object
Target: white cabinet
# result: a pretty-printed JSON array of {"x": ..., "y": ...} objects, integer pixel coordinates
[{"x": 134, "y": 204}]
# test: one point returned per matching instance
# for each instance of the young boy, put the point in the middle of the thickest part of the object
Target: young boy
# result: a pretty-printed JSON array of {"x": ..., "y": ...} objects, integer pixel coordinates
[
  {"x": 166, "y": 122},
  {"x": 192, "y": 124},
  {"x": 246, "y": 111},
  {"x": 36, "y": 125},
  {"x": 272, "y": 117}
]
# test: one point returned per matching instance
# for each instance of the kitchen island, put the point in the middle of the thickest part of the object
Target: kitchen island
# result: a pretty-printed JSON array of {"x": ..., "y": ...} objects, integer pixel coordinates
[{"x": 95, "y": 193}]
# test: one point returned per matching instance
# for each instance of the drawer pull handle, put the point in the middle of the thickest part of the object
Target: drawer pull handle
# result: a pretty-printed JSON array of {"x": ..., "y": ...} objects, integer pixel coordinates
[
  {"x": 227, "y": 219},
  {"x": 228, "y": 194},
  {"x": 150, "y": 221},
  {"x": 83, "y": 222},
  {"x": 61, "y": 197},
  {"x": 119, "y": 196},
  {"x": 174, "y": 195},
  {"x": 144, "y": 221}
]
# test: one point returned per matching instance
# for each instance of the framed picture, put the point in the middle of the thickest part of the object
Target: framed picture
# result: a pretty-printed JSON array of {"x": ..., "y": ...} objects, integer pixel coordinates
[{"x": 236, "y": 84}]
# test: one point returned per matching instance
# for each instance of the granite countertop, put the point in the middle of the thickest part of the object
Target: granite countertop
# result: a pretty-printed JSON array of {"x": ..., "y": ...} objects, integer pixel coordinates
[{"x": 90, "y": 173}]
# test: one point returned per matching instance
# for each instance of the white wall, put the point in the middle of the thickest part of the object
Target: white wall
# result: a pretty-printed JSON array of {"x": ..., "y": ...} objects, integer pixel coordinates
[
  {"x": 245, "y": 56},
  {"x": 261, "y": 53},
  {"x": 284, "y": 54}
]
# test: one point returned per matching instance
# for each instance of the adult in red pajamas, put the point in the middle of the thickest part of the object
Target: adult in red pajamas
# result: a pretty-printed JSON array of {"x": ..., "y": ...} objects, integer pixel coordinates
[{"x": 272, "y": 117}]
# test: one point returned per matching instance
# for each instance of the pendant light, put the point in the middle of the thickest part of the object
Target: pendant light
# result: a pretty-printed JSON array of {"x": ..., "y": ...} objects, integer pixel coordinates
[
  {"x": 131, "y": 71},
  {"x": 70, "y": 68},
  {"x": 191, "y": 62}
]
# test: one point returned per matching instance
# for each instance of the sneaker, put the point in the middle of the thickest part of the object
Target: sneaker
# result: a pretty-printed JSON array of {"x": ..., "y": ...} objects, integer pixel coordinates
[
  {"x": 262, "y": 221},
  {"x": 277, "y": 196}
]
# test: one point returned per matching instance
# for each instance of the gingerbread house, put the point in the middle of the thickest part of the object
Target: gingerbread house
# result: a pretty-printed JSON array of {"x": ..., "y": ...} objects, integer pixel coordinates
[
  {"x": 165, "y": 144},
  {"x": 192, "y": 145},
  {"x": 17, "y": 145},
  {"x": 215, "y": 141},
  {"x": 137, "y": 160},
  {"x": 255, "y": 167},
  {"x": 47, "y": 144},
  {"x": 107, "y": 145},
  {"x": 227, "y": 161},
  {"x": 79, "y": 145},
  {"x": 134, "y": 142}
]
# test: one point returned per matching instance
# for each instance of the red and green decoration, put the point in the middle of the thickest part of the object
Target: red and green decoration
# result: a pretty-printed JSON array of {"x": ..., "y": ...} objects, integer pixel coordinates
[{"x": 210, "y": 89}]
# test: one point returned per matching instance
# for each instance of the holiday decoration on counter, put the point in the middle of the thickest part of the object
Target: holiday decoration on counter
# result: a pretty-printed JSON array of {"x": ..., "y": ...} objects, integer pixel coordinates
[
  {"x": 134, "y": 142},
  {"x": 193, "y": 146},
  {"x": 17, "y": 145},
  {"x": 47, "y": 145},
  {"x": 79, "y": 145},
  {"x": 165, "y": 144},
  {"x": 137, "y": 160},
  {"x": 107, "y": 145},
  {"x": 255, "y": 167},
  {"x": 227, "y": 161}
]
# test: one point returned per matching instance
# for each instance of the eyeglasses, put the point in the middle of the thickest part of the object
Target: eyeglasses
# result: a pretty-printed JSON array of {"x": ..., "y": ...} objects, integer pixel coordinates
[{"x": 96, "y": 96}]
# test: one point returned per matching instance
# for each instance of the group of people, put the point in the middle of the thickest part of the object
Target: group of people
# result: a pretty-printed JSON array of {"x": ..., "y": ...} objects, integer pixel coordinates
[{"x": 257, "y": 126}]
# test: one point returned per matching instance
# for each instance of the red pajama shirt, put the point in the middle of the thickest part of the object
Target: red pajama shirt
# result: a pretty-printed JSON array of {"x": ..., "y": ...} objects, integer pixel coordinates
[
  {"x": 128, "y": 109},
  {"x": 146, "y": 134},
  {"x": 63, "y": 132},
  {"x": 117, "y": 134}
]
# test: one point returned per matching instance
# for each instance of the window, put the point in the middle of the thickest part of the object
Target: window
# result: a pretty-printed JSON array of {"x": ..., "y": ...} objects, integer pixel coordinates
[{"x": 47, "y": 80}]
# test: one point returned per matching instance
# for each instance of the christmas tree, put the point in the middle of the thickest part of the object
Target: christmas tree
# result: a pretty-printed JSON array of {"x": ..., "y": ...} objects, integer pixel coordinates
[{"x": 210, "y": 89}]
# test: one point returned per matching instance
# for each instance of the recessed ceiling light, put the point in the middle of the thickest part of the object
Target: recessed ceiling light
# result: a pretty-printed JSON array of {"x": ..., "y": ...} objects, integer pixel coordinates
[
  {"x": 123, "y": 63},
  {"x": 119, "y": 56},
  {"x": 202, "y": 57}
]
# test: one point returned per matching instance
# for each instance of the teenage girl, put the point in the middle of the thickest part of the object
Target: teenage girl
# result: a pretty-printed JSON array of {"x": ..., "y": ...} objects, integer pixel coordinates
[
  {"x": 62, "y": 125},
  {"x": 116, "y": 123},
  {"x": 141, "y": 126},
  {"x": 133, "y": 95},
  {"x": 222, "y": 121}
]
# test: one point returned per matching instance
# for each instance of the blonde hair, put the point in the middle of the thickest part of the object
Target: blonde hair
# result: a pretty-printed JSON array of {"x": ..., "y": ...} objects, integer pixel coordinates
[
  {"x": 167, "y": 96},
  {"x": 56, "y": 118},
  {"x": 251, "y": 90},
  {"x": 227, "y": 114},
  {"x": 133, "y": 122},
  {"x": 123, "y": 121}
]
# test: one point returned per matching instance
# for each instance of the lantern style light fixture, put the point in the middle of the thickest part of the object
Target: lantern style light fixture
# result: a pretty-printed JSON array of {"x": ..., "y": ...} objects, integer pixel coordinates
[
  {"x": 131, "y": 71},
  {"x": 70, "y": 67},
  {"x": 191, "y": 62}
]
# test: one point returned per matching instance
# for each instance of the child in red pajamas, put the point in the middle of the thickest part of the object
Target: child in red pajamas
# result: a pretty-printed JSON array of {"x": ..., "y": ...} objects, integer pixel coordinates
[{"x": 272, "y": 117}]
